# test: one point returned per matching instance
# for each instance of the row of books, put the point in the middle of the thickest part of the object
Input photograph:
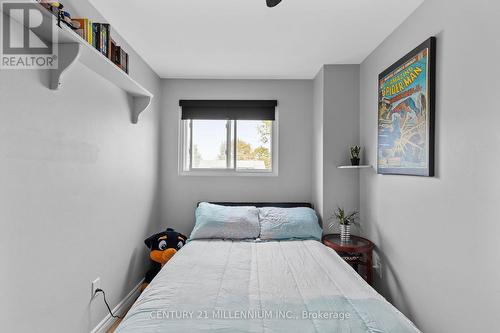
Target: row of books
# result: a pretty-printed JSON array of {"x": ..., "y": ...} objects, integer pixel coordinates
[{"x": 99, "y": 36}]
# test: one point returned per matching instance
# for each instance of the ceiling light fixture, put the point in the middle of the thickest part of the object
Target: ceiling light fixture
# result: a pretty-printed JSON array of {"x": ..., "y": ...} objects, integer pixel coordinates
[{"x": 272, "y": 3}]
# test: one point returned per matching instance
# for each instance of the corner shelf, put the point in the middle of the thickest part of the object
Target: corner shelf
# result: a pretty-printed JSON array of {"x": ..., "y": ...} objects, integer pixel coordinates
[
  {"x": 354, "y": 167},
  {"x": 72, "y": 47}
]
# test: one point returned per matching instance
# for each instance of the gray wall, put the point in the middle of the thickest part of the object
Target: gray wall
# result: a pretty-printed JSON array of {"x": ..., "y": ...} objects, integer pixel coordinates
[
  {"x": 181, "y": 193},
  {"x": 78, "y": 195},
  {"x": 317, "y": 148},
  {"x": 439, "y": 237},
  {"x": 340, "y": 130},
  {"x": 336, "y": 123}
]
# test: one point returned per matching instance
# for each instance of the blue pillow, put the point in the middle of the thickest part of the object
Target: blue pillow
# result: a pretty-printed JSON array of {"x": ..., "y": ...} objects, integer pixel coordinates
[
  {"x": 215, "y": 221},
  {"x": 289, "y": 223}
]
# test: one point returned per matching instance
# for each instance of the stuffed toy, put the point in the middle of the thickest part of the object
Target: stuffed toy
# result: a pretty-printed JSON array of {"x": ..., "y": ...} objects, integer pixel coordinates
[
  {"x": 56, "y": 8},
  {"x": 162, "y": 246}
]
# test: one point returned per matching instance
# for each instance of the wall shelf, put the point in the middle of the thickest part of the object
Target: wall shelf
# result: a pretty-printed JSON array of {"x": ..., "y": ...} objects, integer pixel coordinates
[
  {"x": 354, "y": 167},
  {"x": 72, "y": 48}
]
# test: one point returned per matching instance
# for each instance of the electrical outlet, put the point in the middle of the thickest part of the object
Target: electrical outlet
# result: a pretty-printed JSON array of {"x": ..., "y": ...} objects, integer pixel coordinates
[
  {"x": 96, "y": 284},
  {"x": 377, "y": 265}
]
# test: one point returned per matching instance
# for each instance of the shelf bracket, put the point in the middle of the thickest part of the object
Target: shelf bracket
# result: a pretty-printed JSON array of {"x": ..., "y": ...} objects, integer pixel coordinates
[
  {"x": 140, "y": 103},
  {"x": 68, "y": 54}
]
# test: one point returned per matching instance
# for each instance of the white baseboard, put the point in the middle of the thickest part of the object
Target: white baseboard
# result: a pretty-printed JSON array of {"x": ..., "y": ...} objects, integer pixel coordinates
[{"x": 125, "y": 303}]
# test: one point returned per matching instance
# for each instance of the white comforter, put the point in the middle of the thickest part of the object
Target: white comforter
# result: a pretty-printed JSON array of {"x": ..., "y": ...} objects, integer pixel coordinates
[{"x": 278, "y": 286}]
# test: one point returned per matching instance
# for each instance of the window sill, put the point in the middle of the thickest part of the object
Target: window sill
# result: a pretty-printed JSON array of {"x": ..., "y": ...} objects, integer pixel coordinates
[{"x": 225, "y": 173}]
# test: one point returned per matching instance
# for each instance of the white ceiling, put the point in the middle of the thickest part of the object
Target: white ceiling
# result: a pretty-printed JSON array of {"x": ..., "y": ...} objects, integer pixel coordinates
[{"x": 246, "y": 39}]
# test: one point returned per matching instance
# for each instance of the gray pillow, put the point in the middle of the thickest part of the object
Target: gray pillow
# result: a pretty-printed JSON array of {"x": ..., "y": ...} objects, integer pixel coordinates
[
  {"x": 215, "y": 221},
  {"x": 289, "y": 223}
]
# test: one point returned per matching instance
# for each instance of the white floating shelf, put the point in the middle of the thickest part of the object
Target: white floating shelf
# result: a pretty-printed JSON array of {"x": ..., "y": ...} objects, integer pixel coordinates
[
  {"x": 354, "y": 166},
  {"x": 72, "y": 47}
]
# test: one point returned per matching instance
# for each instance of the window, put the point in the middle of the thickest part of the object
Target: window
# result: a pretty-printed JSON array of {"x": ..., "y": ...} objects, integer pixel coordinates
[{"x": 225, "y": 145}]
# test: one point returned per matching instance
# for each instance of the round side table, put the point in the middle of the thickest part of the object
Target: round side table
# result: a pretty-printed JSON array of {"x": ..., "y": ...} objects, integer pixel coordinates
[{"x": 356, "y": 252}]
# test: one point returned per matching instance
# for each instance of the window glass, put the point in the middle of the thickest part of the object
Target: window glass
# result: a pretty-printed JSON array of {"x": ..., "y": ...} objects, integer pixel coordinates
[
  {"x": 208, "y": 147},
  {"x": 253, "y": 144},
  {"x": 235, "y": 145}
]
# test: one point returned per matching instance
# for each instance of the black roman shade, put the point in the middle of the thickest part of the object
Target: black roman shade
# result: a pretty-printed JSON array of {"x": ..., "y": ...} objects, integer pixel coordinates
[{"x": 229, "y": 109}]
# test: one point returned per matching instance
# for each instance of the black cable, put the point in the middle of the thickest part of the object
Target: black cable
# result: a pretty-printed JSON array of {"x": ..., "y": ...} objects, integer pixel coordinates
[{"x": 106, "y": 302}]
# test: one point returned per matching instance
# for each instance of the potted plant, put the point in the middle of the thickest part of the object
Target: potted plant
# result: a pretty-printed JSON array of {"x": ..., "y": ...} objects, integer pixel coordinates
[
  {"x": 345, "y": 221},
  {"x": 355, "y": 150}
]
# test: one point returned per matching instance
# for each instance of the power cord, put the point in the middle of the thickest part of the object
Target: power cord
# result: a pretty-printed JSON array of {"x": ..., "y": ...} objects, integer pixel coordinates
[{"x": 98, "y": 290}]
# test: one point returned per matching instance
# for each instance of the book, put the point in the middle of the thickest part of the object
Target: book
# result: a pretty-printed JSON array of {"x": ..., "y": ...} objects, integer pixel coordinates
[
  {"x": 126, "y": 63},
  {"x": 82, "y": 30},
  {"x": 116, "y": 56},
  {"x": 123, "y": 60},
  {"x": 101, "y": 37},
  {"x": 104, "y": 38},
  {"x": 108, "y": 41},
  {"x": 89, "y": 32},
  {"x": 96, "y": 31},
  {"x": 112, "y": 49}
]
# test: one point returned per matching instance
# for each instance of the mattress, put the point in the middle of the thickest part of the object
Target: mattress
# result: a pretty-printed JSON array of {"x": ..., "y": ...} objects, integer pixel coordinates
[{"x": 276, "y": 286}]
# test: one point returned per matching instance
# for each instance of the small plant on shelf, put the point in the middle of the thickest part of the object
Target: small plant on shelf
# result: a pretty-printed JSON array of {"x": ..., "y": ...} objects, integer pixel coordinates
[
  {"x": 355, "y": 150},
  {"x": 345, "y": 220}
]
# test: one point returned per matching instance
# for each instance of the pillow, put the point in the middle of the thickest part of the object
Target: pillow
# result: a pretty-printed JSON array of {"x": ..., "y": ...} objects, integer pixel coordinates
[
  {"x": 287, "y": 223},
  {"x": 215, "y": 221}
]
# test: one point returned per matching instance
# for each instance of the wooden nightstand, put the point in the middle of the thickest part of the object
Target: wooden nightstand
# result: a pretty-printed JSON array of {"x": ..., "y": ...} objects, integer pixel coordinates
[{"x": 357, "y": 253}]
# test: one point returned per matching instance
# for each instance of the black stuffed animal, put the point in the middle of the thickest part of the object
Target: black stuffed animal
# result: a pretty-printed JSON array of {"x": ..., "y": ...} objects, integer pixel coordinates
[{"x": 162, "y": 246}]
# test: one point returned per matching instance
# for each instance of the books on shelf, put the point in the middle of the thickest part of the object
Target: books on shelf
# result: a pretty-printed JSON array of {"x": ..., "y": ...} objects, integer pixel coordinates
[
  {"x": 85, "y": 29},
  {"x": 99, "y": 36},
  {"x": 120, "y": 58}
]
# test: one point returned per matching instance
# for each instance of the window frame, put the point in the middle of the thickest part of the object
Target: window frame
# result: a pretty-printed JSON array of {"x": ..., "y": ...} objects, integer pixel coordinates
[{"x": 183, "y": 150}]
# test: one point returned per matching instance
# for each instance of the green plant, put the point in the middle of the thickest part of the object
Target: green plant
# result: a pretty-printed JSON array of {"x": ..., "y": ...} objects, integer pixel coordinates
[
  {"x": 343, "y": 218},
  {"x": 355, "y": 150}
]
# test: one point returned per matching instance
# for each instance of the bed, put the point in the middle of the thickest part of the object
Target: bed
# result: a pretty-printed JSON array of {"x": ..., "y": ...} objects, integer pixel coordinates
[{"x": 219, "y": 285}]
